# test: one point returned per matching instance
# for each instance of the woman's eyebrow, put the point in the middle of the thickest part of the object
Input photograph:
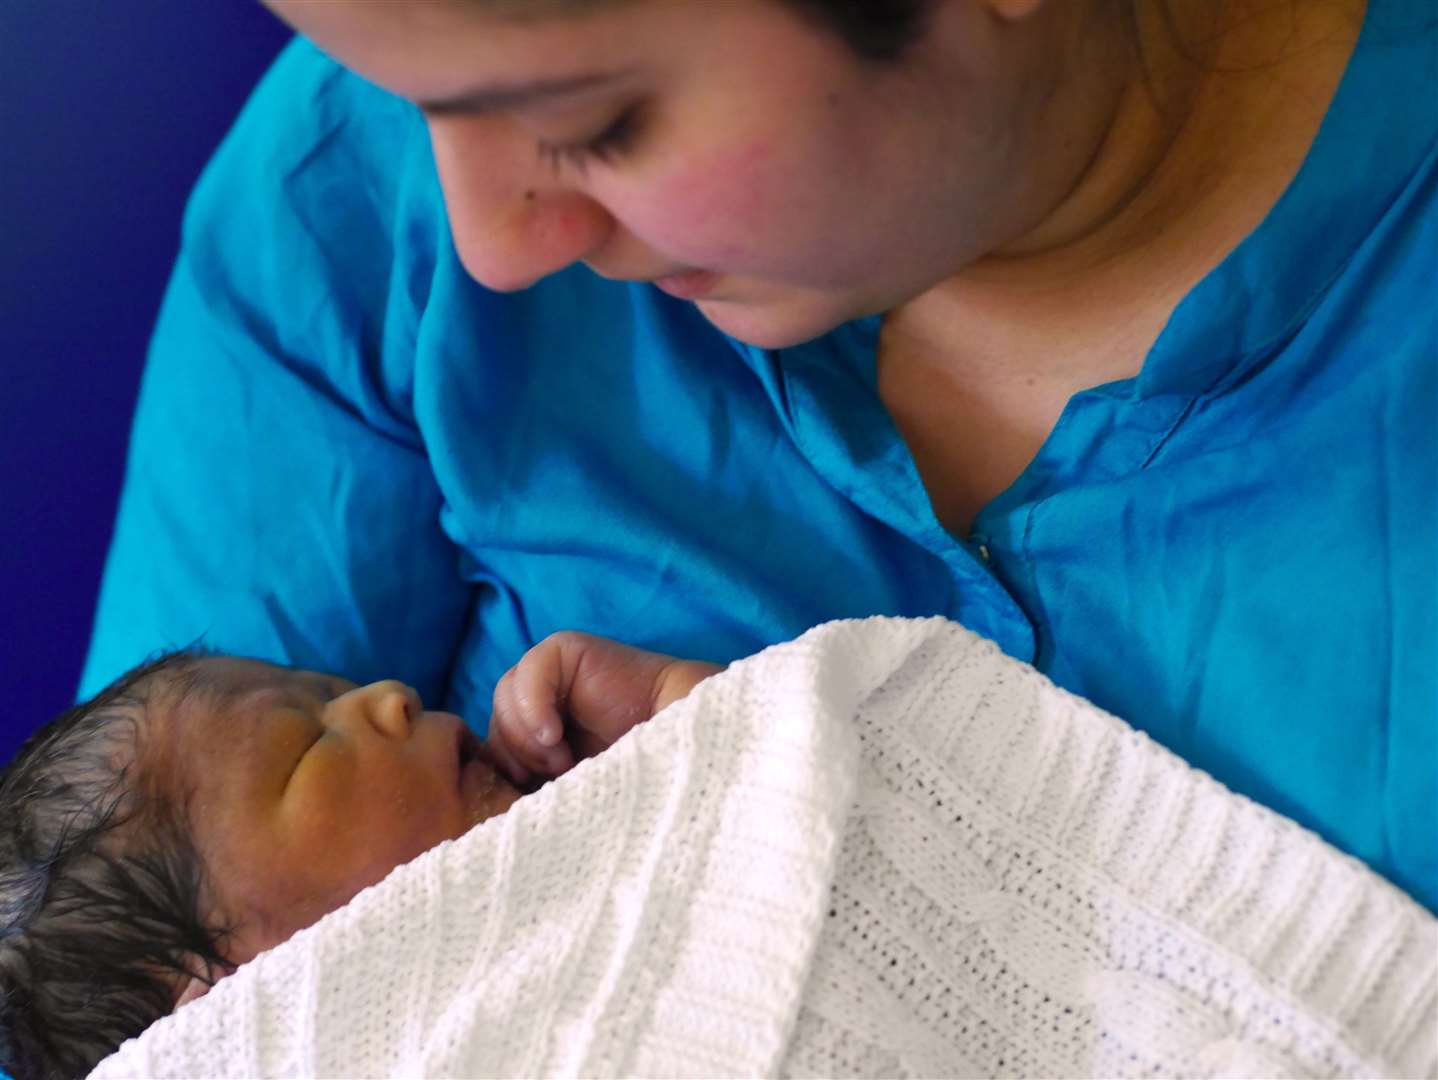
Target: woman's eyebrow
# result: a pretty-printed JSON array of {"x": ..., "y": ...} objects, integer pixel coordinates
[{"x": 513, "y": 95}]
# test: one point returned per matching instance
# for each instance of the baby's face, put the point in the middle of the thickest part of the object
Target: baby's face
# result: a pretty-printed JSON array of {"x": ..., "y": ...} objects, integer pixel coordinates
[{"x": 305, "y": 789}]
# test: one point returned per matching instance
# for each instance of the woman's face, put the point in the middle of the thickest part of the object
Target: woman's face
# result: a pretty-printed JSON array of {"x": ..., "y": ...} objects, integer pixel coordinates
[{"x": 734, "y": 153}]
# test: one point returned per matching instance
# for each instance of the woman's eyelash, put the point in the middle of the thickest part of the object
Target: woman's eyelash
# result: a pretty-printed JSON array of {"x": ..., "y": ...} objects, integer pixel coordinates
[{"x": 603, "y": 147}]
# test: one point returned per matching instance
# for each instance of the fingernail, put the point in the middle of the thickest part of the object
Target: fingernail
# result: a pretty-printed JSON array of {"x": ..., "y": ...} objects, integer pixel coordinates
[{"x": 547, "y": 735}]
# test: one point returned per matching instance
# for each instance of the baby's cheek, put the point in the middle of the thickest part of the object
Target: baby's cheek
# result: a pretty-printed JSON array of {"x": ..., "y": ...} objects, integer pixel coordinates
[
  {"x": 355, "y": 861},
  {"x": 419, "y": 817}
]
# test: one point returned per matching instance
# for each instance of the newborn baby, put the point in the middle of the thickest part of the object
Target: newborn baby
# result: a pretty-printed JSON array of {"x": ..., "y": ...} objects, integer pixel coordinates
[{"x": 204, "y": 808}]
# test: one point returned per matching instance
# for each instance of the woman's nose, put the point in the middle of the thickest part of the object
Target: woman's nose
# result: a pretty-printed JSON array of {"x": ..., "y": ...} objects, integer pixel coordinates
[{"x": 513, "y": 221}]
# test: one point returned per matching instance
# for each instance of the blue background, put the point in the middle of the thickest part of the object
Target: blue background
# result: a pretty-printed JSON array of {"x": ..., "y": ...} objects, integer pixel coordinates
[{"x": 108, "y": 110}]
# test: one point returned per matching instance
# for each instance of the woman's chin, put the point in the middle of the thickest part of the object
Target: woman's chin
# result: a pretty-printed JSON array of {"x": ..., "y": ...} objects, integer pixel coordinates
[{"x": 773, "y": 323}]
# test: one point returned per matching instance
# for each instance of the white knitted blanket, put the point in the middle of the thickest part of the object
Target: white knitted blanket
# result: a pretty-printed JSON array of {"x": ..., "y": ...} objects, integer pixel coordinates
[{"x": 883, "y": 849}]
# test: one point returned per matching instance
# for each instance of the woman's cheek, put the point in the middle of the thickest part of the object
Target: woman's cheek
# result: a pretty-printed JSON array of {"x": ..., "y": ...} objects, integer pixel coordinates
[{"x": 716, "y": 212}]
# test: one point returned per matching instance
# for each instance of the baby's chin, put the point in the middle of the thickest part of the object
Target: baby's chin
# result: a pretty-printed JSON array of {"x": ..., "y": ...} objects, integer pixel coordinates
[{"x": 485, "y": 792}]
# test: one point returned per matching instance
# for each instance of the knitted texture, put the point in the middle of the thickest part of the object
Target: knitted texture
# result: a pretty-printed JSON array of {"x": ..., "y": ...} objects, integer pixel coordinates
[{"x": 884, "y": 849}]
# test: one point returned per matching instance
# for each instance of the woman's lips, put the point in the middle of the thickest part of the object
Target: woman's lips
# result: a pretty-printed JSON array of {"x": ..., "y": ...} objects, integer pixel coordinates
[{"x": 690, "y": 285}]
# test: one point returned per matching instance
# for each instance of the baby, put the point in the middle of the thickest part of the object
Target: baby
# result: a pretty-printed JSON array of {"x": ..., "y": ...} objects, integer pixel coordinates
[{"x": 203, "y": 808}]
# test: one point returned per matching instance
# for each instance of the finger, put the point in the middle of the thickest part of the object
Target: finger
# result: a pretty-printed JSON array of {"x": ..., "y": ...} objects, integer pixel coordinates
[
  {"x": 538, "y": 690},
  {"x": 516, "y": 734},
  {"x": 558, "y": 760},
  {"x": 508, "y": 744},
  {"x": 507, "y": 764}
]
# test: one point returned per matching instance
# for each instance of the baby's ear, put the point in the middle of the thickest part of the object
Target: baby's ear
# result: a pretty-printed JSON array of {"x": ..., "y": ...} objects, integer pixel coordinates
[{"x": 193, "y": 989}]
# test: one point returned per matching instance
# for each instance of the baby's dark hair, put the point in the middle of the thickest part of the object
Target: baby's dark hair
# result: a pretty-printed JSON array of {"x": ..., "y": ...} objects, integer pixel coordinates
[{"x": 101, "y": 887}]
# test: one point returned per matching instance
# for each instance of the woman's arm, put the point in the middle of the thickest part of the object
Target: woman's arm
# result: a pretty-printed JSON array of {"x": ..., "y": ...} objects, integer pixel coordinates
[{"x": 278, "y": 500}]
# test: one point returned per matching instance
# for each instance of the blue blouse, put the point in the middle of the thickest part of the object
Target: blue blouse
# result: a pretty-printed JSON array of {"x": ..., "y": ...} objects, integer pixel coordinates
[{"x": 351, "y": 457}]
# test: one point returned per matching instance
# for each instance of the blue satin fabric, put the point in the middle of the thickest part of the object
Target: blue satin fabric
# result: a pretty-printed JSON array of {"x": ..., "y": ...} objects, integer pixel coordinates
[{"x": 349, "y": 456}]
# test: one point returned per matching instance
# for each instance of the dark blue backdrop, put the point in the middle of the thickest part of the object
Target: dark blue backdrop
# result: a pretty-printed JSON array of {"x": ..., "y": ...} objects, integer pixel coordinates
[{"x": 108, "y": 110}]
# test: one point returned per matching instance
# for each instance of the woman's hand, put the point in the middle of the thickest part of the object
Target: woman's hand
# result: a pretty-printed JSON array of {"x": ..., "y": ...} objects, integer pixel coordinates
[{"x": 573, "y": 695}]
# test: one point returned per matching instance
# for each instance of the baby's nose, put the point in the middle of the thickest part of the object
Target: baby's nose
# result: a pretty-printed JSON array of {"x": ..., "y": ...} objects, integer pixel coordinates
[{"x": 392, "y": 707}]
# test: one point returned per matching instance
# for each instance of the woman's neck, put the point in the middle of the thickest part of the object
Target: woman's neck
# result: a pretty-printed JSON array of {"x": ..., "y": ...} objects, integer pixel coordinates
[
  {"x": 1222, "y": 103},
  {"x": 1210, "y": 127}
]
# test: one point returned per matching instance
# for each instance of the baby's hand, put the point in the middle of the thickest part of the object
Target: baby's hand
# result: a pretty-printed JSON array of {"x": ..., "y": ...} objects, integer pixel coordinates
[{"x": 573, "y": 695}]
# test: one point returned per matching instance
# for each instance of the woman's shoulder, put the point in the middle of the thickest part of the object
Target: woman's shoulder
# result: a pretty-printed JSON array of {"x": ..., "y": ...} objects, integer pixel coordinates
[
  {"x": 307, "y": 114},
  {"x": 317, "y": 224},
  {"x": 318, "y": 161}
]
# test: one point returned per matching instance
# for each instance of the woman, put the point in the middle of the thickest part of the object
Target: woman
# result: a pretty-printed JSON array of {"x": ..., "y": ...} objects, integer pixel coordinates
[{"x": 1104, "y": 328}]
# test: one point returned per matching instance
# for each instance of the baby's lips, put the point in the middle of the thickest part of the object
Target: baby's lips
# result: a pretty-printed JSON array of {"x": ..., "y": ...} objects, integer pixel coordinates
[{"x": 483, "y": 752}]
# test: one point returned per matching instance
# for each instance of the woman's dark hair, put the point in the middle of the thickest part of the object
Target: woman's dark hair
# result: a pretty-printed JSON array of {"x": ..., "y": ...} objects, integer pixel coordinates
[
  {"x": 875, "y": 29},
  {"x": 100, "y": 885}
]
